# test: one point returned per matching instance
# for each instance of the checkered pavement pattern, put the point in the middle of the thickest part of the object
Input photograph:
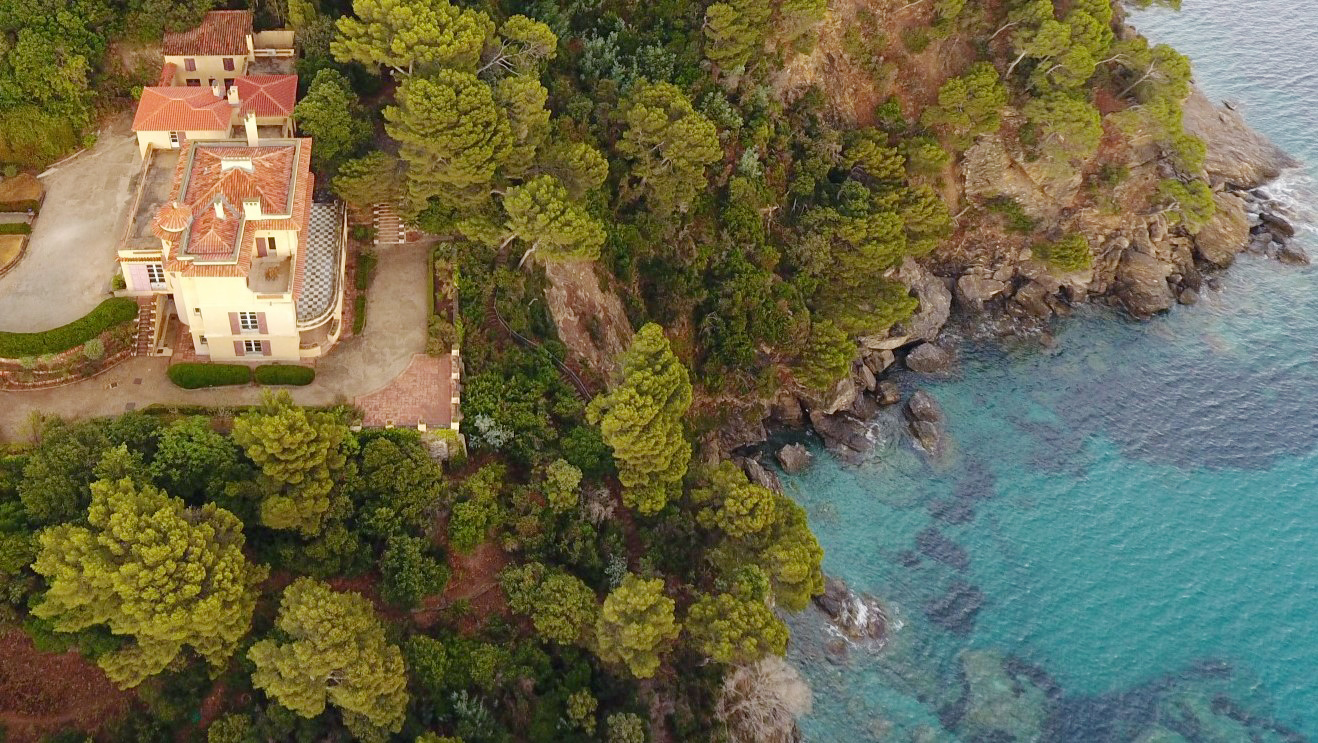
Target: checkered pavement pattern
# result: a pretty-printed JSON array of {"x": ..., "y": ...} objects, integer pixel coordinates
[{"x": 322, "y": 270}]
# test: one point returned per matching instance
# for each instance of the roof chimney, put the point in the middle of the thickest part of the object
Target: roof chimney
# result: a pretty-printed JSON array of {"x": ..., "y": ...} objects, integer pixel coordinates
[
  {"x": 217, "y": 90},
  {"x": 249, "y": 124},
  {"x": 219, "y": 209},
  {"x": 233, "y": 95}
]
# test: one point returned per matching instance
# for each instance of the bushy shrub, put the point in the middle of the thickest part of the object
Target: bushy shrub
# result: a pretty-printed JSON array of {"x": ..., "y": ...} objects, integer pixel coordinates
[
  {"x": 365, "y": 269},
  {"x": 285, "y": 374},
  {"x": 22, "y": 207},
  {"x": 15, "y": 228},
  {"x": 1071, "y": 253},
  {"x": 197, "y": 376},
  {"x": 93, "y": 349},
  {"x": 359, "y": 314},
  {"x": 106, "y": 315}
]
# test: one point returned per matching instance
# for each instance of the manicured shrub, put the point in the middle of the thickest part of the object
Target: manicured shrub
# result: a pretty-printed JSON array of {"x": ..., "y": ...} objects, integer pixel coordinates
[
  {"x": 365, "y": 269},
  {"x": 22, "y": 207},
  {"x": 359, "y": 314},
  {"x": 15, "y": 228},
  {"x": 106, "y": 315},
  {"x": 285, "y": 374},
  {"x": 197, "y": 376}
]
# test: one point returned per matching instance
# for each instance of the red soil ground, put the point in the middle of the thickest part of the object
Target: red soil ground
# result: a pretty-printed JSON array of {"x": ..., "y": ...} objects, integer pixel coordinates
[{"x": 44, "y": 693}]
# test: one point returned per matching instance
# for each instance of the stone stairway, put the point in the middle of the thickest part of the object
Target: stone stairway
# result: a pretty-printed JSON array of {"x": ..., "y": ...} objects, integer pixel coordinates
[
  {"x": 146, "y": 326},
  {"x": 389, "y": 228}
]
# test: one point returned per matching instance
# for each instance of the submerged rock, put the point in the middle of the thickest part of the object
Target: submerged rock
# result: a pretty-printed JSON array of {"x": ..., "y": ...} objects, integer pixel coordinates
[
  {"x": 756, "y": 473},
  {"x": 933, "y": 544},
  {"x": 794, "y": 458},
  {"x": 1000, "y": 705},
  {"x": 928, "y": 358},
  {"x": 952, "y": 511},
  {"x": 923, "y": 407},
  {"x": 956, "y": 609},
  {"x": 1293, "y": 254},
  {"x": 859, "y": 617},
  {"x": 888, "y": 393},
  {"x": 842, "y": 431}
]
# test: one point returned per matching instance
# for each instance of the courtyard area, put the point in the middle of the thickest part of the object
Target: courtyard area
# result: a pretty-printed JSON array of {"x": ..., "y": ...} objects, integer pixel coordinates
[{"x": 70, "y": 255}]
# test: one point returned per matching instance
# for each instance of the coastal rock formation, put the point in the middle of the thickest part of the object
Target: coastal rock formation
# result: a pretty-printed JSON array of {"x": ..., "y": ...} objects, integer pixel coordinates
[
  {"x": 758, "y": 474},
  {"x": 794, "y": 458},
  {"x": 843, "y": 433},
  {"x": 928, "y": 358},
  {"x": 591, "y": 322},
  {"x": 1226, "y": 234},
  {"x": 1142, "y": 284},
  {"x": 925, "y": 418},
  {"x": 857, "y": 616},
  {"x": 1237, "y": 154}
]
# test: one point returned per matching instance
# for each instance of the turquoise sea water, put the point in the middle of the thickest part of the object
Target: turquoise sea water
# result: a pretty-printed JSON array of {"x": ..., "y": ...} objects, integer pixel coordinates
[{"x": 1134, "y": 509}]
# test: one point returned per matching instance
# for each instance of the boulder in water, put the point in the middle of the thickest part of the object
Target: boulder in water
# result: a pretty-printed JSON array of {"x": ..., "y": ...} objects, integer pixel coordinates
[
  {"x": 1226, "y": 233},
  {"x": 1293, "y": 254},
  {"x": 923, "y": 407},
  {"x": 794, "y": 458},
  {"x": 928, "y": 358},
  {"x": 842, "y": 431},
  {"x": 1142, "y": 284},
  {"x": 859, "y": 617}
]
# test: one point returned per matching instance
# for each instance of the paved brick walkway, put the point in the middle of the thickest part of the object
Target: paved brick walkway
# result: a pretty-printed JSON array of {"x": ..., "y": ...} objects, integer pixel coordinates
[{"x": 421, "y": 394}]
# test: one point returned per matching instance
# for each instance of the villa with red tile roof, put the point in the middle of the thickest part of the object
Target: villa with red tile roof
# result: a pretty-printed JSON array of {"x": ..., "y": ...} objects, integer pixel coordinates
[
  {"x": 224, "y": 232},
  {"x": 212, "y": 85}
]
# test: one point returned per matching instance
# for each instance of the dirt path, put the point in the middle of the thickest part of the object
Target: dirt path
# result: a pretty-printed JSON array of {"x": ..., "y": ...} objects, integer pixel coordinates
[{"x": 44, "y": 693}]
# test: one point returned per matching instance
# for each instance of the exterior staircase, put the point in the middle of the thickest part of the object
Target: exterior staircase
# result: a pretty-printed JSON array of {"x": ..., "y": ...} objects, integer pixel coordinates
[
  {"x": 389, "y": 228},
  {"x": 146, "y": 326}
]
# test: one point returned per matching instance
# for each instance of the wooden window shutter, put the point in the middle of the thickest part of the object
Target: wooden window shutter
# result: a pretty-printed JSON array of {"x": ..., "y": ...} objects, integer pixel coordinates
[
  {"x": 238, "y": 349},
  {"x": 260, "y": 323},
  {"x": 234, "y": 327},
  {"x": 265, "y": 348}
]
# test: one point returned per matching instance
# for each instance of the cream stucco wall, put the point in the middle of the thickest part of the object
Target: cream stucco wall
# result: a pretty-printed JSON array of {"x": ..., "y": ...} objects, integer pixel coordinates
[
  {"x": 160, "y": 140},
  {"x": 204, "y": 304},
  {"x": 208, "y": 68}
]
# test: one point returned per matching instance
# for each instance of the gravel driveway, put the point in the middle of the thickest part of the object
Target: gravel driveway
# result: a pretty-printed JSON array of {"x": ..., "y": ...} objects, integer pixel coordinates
[{"x": 71, "y": 254}]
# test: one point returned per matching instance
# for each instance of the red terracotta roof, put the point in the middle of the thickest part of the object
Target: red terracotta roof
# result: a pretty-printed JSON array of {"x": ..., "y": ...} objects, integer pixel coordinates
[
  {"x": 173, "y": 217},
  {"x": 222, "y": 32},
  {"x": 275, "y": 168},
  {"x": 267, "y": 95},
  {"x": 181, "y": 109},
  {"x": 167, "y": 74}
]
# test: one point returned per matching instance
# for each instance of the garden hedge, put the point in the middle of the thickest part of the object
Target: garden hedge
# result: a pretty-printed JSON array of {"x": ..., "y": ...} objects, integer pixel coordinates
[
  {"x": 22, "y": 207},
  {"x": 15, "y": 228},
  {"x": 285, "y": 374},
  {"x": 197, "y": 376},
  {"x": 106, "y": 315}
]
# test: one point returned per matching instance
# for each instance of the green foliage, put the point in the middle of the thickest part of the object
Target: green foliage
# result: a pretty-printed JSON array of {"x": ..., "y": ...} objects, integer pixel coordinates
[
  {"x": 625, "y": 727},
  {"x": 969, "y": 105},
  {"x": 524, "y": 45},
  {"x": 55, "y": 480},
  {"x": 562, "y": 485},
  {"x": 668, "y": 143},
  {"x": 577, "y": 165},
  {"x": 1190, "y": 203},
  {"x": 924, "y": 156},
  {"x": 1070, "y": 127},
  {"x": 300, "y": 454},
  {"x": 412, "y": 35},
  {"x": 734, "y": 32},
  {"x": 375, "y": 177},
  {"x": 641, "y": 420},
  {"x": 541, "y": 214},
  {"x": 1071, "y": 253},
  {"x": 231, "y": 728},
  {"x": 732, "y": 504},
  {"x": 636, "y": 625},
  {"x": 581, "y": 706},
  {"x": 106, "y": 315},
  {"x": 285, "y": 374},
  {"x": 15, "y": 228},
  {"x": 332, "y": 649},
  {"x": 409, "y": 572},
  {"x": 451, "y": 135},
  {"x": 737, "y": 627},
  {"x": 148, "y": 567},
  {"x": 561, "y": 607},
  {"x": 827, "y": 356},
  {"x": 192, "y": 376},
  {"x": 428, "y": 663},
  {"x": 479, "y": 509},
  {"x": 1157, "y": 71},
  {"x": 1012, "y": 212},
  {"x": 329, "y": 114},
  {"x": 193, "y": 459}
]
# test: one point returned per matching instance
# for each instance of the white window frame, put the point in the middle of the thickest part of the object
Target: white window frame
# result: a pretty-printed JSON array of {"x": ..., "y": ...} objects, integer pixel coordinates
[
  {"x": 155, "y": 275},
  {"x": 254, "y": 347},
  {"x": 249, "y": 322}
]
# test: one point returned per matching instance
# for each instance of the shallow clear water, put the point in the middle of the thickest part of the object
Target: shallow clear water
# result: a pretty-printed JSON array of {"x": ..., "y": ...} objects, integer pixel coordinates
[{"x": 1135, "y": 509}]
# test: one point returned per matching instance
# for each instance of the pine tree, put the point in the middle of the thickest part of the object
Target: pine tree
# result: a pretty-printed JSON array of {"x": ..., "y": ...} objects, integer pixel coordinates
[
  {"x": 523, "y": 99},
  {"x": 969, "y": 105},
  {"x": 636, "y": 625},
  {"x": 736, "y": 627},
  {"x": 373, "y": 178},
  {"x": 733, "y": 504},
  {"x": 412, "y": 35},
  {"x": 452, "y": 136},
  {"x": 827, "y": 356},
  {"x": 541, "y": 214},
  {"x": 524, "y": 45},
  {"x": 561, "y": 607},
  {"x": 577, "y": 165},
  {"x": 150, "y": 568},
  {"x": 735, "y": 31},
  {"x": 301, "y": 454},
  {"x": 335, "y": 652},
  {"x": 669, "y": 144},
  {"x": 1070, "y": 128},
  {"x": 329, "y": 114},
  {"x": 641, "y": 420}
]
